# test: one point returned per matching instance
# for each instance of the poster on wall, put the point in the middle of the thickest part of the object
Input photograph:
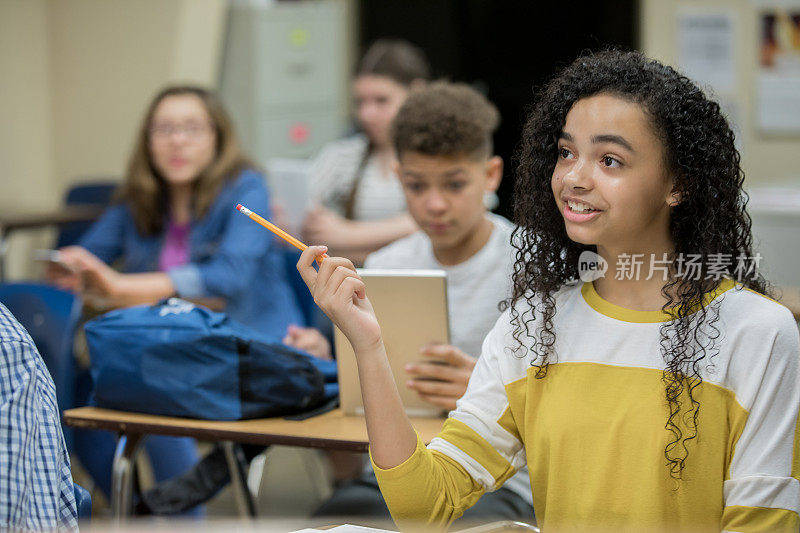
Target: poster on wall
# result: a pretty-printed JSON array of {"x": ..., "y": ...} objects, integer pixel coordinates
[
  {"x": 706, "y": 48},
  {"x": 778, "y": 74},
  {"x": 706, "y": 39}
]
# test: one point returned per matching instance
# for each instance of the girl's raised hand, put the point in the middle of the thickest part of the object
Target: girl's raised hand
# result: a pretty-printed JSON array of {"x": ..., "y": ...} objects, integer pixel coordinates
[{"x": 341, "y": 294}]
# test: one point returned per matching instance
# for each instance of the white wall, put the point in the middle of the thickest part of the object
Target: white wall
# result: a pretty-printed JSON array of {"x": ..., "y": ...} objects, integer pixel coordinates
[
  {"x": 76, "y": 77},
  {"x": 109, "y": 58},
  {"x": 765, "y": 159},
  {"x": 26, "y": 137}
]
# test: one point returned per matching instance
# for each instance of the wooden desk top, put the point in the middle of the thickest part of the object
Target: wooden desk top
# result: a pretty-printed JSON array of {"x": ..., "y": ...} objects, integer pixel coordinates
[
  {"x": 60, "y": 216},
  {"x": 331, "y": 431}
]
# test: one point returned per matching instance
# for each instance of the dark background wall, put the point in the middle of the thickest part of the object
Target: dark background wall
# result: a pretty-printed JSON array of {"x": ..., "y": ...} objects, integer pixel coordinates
[{"x": 505, "y": 48}]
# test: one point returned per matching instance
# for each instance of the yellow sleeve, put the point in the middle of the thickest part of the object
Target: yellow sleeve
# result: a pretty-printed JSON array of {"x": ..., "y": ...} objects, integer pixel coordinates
[
  {"x": 428, "y": 488},
  {"x": 478, "y": 449},
  {"x": 744, "y": 519}
]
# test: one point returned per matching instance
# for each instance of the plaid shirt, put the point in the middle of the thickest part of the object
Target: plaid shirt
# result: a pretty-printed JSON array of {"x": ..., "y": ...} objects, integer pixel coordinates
[{"x": 36, "y": 491}]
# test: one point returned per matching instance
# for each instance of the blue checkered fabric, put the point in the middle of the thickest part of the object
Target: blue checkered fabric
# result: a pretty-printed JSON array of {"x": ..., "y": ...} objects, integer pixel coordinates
[{"x": 36, "y": 491}]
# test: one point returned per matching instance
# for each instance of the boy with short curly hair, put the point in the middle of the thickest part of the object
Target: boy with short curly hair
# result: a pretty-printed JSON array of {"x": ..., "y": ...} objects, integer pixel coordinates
[{"x": 443, "y": 139}]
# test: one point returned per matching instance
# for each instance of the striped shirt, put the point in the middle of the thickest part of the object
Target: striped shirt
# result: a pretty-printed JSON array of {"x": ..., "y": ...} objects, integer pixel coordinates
[
  {"x": 592, "y": 431},
  {"x": 334, "y": 172},
  {"x": 36, "y": 491},
  {"x": 475, "y": 287}
]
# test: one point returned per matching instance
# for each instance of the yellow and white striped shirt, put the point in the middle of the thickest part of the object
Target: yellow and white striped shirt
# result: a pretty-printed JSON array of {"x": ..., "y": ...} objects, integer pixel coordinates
[{"x": 592, "y": 432}]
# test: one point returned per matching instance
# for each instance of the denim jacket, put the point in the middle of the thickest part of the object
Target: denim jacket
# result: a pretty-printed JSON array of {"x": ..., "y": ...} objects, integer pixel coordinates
[{"x": 230, "y": 256}]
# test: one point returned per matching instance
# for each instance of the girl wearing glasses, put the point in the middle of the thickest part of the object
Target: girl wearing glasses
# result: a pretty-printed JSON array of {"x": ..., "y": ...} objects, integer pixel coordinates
[{"x": 174, "y": 231}]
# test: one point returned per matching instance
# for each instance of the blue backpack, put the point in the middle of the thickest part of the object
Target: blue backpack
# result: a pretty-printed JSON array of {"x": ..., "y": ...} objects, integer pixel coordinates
[{"x": 179, "y": 359}]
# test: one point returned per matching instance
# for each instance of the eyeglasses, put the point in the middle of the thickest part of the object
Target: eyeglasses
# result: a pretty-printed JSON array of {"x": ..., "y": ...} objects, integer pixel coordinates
[{"x": 192, "y": 130}]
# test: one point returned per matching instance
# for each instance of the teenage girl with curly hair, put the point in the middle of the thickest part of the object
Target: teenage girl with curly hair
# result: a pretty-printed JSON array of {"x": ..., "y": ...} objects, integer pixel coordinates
[{"x": 666, "y": 400}]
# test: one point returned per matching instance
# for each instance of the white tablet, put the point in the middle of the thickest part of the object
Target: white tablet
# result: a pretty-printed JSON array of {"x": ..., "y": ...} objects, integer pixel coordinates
[{"x": 411, "y": 307}]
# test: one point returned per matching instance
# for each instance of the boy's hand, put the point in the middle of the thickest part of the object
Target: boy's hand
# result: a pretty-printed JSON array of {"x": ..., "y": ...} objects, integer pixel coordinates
[
  {"x": 341, "y": 294},
  {"x": 452, "y": 378},
  {"x": 309, "y": 340}
]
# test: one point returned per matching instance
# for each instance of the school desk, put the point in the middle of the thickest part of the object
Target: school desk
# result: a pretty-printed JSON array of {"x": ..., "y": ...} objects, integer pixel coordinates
[
  {"x": 60, "y": 216},
  {"x": 329, "y": 431}
]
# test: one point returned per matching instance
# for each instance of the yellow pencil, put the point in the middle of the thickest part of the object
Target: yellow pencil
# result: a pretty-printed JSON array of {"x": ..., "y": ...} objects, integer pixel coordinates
[{"x": 275, "y": 229}]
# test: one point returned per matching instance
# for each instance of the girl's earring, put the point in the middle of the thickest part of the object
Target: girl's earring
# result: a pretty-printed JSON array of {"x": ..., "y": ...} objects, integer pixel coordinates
[{"x": 490, "y": 200}]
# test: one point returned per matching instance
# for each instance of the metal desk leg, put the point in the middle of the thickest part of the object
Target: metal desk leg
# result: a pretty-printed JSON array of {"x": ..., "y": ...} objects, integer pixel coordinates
[
  {"x": 122, "y": 475},
  {"x": 238, "y": 471},
  {"x": 3, "y": 250}
]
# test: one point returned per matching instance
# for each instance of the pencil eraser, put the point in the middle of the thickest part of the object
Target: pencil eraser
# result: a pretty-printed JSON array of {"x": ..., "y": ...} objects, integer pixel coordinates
[{"x": 238, "y": 207}]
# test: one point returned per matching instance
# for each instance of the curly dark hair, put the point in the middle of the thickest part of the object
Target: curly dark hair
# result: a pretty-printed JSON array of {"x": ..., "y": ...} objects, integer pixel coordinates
[
  {"x": 710, "y": 219},
  {"x": 445, "y": 119}
]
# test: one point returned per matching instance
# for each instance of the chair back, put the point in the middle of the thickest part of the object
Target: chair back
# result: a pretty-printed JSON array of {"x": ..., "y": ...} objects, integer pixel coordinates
[
  {"x": 301, "y": 293},
  {"x": 51, "y": 316},
  {"x": 95, "y": 193},
  {"x": 83, "y": 501}
]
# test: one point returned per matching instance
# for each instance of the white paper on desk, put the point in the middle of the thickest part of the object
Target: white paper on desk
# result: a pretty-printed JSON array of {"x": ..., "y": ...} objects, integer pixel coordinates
[
  {"x": 346, "y": 528},
  {"x": 349, "y": 528}
]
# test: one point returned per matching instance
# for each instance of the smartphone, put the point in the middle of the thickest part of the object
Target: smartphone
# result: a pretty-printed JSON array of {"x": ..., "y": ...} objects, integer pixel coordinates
[{"x": 54, "y": 258}]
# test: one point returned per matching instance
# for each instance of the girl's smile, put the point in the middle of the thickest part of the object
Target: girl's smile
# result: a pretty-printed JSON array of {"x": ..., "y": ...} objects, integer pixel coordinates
[
  {"x": 609, "y": 181},
  {"x": 576, "y": 210}
]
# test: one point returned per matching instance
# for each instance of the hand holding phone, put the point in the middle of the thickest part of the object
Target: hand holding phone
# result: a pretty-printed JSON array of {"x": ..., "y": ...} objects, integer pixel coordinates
[
  {"x": 54, "y": 258},
  {"x": 59, "y": 270}
]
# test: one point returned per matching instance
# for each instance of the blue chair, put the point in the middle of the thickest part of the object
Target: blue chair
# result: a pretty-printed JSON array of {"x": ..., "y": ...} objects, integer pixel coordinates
[
  {"x": 95, "y": 193},
  {"x": 301, "y": 292},
  {"x": 83, "y": 501},
  {"x": 50, "y": 315}
]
